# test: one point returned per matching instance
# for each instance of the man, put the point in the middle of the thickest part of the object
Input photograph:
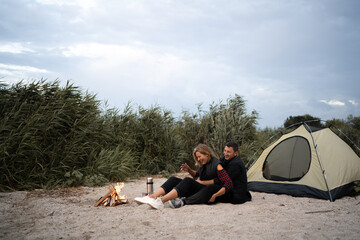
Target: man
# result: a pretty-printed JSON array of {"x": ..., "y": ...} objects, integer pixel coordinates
[
  {"x": 236, "y": 170},
  {"x": 237, "y": 194}
]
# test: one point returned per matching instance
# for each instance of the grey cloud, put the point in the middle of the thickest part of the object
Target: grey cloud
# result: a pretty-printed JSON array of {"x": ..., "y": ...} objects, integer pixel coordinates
[{"x": 282, "y": 56}]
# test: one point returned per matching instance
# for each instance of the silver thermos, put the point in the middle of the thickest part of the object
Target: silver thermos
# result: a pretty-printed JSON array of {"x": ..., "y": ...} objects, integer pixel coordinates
[{"x": 149, "y": 186}]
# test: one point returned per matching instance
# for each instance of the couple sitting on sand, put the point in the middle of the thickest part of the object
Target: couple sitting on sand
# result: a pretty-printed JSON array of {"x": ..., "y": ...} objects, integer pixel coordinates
[{"x": 216, "y": 180}]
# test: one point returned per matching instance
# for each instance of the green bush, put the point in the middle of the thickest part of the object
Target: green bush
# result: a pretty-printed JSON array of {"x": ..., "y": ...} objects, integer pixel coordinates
[
  {"x": 53, "y": 136},
  {"x": 46, "y": 131},
  {"x": 223, "y": 122}
]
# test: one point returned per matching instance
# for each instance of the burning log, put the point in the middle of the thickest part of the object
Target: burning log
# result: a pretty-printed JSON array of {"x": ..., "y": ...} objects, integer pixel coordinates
[{"x": 113, "y": 197}]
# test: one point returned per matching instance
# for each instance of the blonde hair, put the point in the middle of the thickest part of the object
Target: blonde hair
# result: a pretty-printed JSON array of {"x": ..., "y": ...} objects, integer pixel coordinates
[{"x": 203, "y": 149}]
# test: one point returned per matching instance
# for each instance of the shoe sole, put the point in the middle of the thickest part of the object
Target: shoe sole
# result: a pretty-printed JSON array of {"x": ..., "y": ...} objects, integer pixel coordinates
[
  {"x": 140, "y": 201},
  {"x": 155, "y": 206},
  {"x": 171, "y": 205}
]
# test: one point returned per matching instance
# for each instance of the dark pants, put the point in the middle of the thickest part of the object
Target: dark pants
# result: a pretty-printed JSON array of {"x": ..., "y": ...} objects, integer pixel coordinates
[
  {"x": 194, "y": 192},
  {"x": 204, "y": 195},
  {"x": 184, "y": 187}
]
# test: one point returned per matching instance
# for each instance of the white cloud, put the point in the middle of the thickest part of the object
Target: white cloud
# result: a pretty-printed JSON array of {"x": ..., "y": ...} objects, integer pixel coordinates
[
  {"x": 84, "y": 8},
  {"x": 183, "y": 53},
  {"x": 147, "y": 74},
  {"x": 15, "y": 48},
  {"x": 97, "y": 50},
  {"x": 153, "y": 69},
  {"x": 84, "y": 4},
  {"x": 13, "y": 73},
  {"x": 5, "y": 72},
  {"x": 148, "y": 69},
  {"x": 22, "y": 68},
  {"x": 353, "y": 102},
  {"x": 333, "y": 102}
]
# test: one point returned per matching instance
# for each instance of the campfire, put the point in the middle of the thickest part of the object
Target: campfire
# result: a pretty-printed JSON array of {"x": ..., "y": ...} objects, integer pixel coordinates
[{"x": 113, "y": 197}]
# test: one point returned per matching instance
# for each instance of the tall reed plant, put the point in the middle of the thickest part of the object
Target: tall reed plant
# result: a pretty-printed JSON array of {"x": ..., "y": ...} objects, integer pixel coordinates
[
  {"x": 53, "y": 136},
  {"x": 223, "y": 122},
  {"x": 47, "y": 132}
]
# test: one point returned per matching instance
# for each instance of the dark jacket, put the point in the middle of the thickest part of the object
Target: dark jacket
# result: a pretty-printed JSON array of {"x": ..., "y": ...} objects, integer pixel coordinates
[
  {"x": 237, "y": 172},
  {"x": 208, "y": 171}
]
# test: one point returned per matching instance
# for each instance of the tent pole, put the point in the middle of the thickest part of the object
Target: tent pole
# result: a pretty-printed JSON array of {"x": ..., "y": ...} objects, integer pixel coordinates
[
  {"x": 320, "y": 161},
  {"x": 347, "y": 138},
  {"x": 251, "y": 161}
]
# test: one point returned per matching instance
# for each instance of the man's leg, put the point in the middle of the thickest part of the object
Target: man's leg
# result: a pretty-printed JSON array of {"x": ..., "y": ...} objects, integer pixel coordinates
[
  {"x": 203, "y": 195},
  {"x": 224, "y": 198}
]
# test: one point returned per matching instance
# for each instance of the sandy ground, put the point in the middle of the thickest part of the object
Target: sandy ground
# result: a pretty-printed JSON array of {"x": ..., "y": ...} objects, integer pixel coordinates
[{"x": 70, "y": 214}]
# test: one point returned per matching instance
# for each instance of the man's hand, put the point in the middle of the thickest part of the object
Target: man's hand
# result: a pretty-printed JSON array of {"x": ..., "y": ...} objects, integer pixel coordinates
[
  {"x": 218, "y": 194},
  {"x": 212, "y": 199}
]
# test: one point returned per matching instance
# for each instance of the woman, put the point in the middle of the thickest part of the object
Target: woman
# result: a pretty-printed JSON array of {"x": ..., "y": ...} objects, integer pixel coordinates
[{"x": 175, "y": 188}]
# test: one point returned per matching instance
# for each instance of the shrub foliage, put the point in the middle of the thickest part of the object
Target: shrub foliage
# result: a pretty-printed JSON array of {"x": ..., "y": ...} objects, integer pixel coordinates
[{"x": 56, "y": 136}]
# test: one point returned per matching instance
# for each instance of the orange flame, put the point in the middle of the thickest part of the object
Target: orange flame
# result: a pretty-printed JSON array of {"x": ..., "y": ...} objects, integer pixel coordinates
[
  {"x": 113, "y": 197},
  {"x": 118, "y": 188}
]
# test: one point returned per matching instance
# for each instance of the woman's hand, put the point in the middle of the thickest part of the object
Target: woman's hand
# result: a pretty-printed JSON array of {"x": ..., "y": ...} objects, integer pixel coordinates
[
  {"x": 199, "y": 181},
  {"x": 205, "y": 182},
  {"x": 184, "y": 167}
]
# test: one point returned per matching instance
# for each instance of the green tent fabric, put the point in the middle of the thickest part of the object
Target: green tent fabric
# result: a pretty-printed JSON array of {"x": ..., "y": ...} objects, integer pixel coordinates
[{"x": 306, "y": 163}]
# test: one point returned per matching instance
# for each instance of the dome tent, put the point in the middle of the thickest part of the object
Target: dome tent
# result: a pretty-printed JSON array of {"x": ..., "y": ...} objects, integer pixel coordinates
[{"x": 306, "y": 162}]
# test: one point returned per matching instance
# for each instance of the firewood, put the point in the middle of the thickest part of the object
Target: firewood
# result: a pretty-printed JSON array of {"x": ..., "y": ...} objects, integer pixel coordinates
[
  {"x": 124, "y": 201},
  {"x": 112, "y": 200},
  {"x": 102, "y": 199},
  {"x": 106, "y": 202},
  {"x": 111, "y": 190}
]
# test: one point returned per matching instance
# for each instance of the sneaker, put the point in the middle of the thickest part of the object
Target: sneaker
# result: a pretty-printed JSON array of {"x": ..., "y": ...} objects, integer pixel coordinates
[
  {"x": 142, "y": 200},
  {"x": 156, "y": 203},
  {"x": 176, "y": 203}
]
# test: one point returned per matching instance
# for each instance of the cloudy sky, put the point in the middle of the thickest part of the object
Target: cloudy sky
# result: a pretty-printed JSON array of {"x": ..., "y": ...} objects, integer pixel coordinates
[{"x": 285, "y": 57}]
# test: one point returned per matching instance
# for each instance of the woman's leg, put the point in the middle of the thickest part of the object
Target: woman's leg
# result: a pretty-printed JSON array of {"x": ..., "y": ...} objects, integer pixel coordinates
[
  {"x": 186, "y": 187},
  {"x": 171, "y": 195},
  {"x": 157, "y": 193},
  {"x": 166, "y": 187}
]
